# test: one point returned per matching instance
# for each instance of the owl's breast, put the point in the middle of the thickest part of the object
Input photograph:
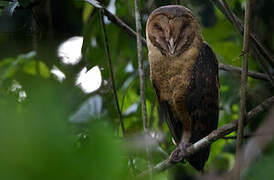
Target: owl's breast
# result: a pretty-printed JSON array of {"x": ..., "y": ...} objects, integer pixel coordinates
[{"x": 171, "y": 76}]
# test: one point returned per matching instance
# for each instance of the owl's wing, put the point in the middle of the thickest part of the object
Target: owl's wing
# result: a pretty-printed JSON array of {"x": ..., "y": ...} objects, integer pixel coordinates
[
  {"x": 173, "y": 125},
  {"x": 202, "y": 102}
]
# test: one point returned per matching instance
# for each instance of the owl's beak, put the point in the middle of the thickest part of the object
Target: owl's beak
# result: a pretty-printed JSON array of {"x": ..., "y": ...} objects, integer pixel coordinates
[{"x": 171, "y": 46}]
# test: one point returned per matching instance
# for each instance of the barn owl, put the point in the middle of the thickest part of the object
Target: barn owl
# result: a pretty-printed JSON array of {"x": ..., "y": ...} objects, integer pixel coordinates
[{"x": 184, "y": 73}]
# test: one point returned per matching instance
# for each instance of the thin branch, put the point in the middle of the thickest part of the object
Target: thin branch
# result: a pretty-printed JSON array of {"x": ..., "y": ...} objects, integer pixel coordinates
[
  {"x": 240, "y": 130},
  {"x": 213, "y": 136},
  {"x": 235, "y": 137},
  {"x": 264, "y": 66},
  {"x": 142, "y": 77},
  {"x": 111, "y": 71},
  {"x": 116, "y": 20},
  {"x": 224, "y": 7},
  {"x": 258, "y": 48},
  {"x": 268, "y": 133},
  {"x": 253, "y": 74},
  {"x": 177, "y": 1},
  {"x": 141, "y": 66}
]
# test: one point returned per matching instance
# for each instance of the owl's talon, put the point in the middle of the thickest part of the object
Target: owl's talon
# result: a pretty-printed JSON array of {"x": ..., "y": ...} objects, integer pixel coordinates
[{"x": 178, "y": 154}]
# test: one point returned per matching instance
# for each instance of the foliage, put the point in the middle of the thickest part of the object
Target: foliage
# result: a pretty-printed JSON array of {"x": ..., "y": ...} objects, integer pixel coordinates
[{"x": 52, "y": 129}]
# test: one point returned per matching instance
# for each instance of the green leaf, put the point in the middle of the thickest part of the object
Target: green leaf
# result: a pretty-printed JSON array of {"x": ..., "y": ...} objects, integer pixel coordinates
[
  {"x": 9, "y": 10},
  {"x": 31, "y": 67}
]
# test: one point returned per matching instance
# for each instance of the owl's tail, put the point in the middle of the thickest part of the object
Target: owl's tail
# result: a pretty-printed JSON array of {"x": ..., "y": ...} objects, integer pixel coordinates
[{"x": 199, "y": 159}]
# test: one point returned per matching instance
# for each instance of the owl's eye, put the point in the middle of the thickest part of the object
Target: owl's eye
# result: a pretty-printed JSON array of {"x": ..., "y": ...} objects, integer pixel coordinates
[{"x": 158, "y": 27}]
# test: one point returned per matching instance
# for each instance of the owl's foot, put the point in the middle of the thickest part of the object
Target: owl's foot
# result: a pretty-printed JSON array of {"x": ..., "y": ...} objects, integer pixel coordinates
[{"x": 178, "y": 154}]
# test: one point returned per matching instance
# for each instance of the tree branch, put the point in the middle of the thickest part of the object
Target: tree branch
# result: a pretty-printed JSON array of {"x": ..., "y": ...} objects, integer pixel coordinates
[
  {"x": 253, "y": 74},
  {"x": 213, "y": 136},
  {"x": 141, "y": 65},
  {"x": 258, "y": 48},
  {"x": 142, "y": 76},
  {"x": 111, "y": 71},
  {"x": 240, "y": 130},
  {"x": 224, "y": 8},
  {"x": 116, "y": 20}
]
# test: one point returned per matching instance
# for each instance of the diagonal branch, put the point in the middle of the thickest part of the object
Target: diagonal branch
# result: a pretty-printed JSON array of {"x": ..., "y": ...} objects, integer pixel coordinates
[
  {"x": 111, "y": 71},
  {"x": 225, "y": 9},
  {"x": 213, "y": 136},
  {"x": 115, "y": 19},
  {"x": 259, "y": 50}
]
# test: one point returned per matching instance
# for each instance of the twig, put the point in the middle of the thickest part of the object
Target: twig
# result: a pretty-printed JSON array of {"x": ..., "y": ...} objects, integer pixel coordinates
[
  {"x": 111, "y": 71},
  {"x": 258, "y": 48},
  {"x": 213, "y": 136},
  {"x": 235, "y": 137},
  {"x": 240, "y": 130},
  {"x": 264, "y": 66},
  {"x": 142, "y": 76},
  {"x": 177, "y": 1},
  {"x": 268, "y": 133},
  {"x": 116, "y": 20},
  {"x": 253, "y": 74}
]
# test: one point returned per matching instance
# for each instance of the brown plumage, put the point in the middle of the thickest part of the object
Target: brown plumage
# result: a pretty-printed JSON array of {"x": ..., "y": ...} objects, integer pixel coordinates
[{"x": 184, "y": 73}]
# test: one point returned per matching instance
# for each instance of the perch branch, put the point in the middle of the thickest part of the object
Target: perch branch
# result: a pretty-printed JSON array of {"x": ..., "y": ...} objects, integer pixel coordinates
[
  {"x": 111, "y": 71},
  {"x": 213, "y": 136},
  {"x": 240, "y": 130}
]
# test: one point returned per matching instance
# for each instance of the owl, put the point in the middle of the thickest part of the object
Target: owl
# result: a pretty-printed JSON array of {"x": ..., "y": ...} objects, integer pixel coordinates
[{"x": 184, "y": 74}]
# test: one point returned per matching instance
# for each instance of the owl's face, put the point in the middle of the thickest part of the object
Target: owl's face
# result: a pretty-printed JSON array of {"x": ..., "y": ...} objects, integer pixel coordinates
[{"x": 172, "y": 29}]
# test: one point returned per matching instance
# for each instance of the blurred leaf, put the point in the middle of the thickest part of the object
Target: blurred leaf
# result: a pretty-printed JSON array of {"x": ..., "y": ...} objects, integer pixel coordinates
[
  {"x": 31, "y": 67},
  {"x": 262, "y": 169},
  {"x": 87, "y": 12},
  {"x": 36, "y": 142},
  {"x": 90, "y": 109},
  {"x": 10, "y": 65},
  {"x": 9, "y": 10}
]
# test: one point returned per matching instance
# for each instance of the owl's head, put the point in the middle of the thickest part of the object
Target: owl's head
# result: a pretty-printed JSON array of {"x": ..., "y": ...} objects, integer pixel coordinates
[{"x": 172, "y": 29}]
